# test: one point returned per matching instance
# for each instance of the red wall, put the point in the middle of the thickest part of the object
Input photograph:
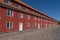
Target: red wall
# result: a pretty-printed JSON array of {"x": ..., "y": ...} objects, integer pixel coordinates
[
  {"x": 16, "y": 20},
  {"x": 5, "y": 18}
]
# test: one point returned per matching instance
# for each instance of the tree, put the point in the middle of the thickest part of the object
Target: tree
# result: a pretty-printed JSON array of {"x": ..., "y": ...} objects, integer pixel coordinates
[{"x": 59, "y": 22}]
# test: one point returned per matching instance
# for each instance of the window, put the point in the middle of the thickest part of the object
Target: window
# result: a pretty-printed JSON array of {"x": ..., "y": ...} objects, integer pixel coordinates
[
  {"x": 38, "y": 25},
  {"x": 28, "y": 24},
  {"x": 38, "y": 19},
  {"x": 33, "y": 12},
  {"x": 28, "y": 16},
  {"x": 44, "y": 20},
  {"x": 19, "y": 6},
  {"x": 21, "y": 15},
  {"x": 35, "y": 18},
  {"x": 8, "y": 2},
  {"x": 9, "y": 25},
  {"x": 10, "y": 12},
  {"x": 35, "y": 24},
  {"x": 41, "y": 24},
  {"x": 36, "y": 13},
  {"x": 41, "y": 19},
  {"x": 26, "y": 9}
]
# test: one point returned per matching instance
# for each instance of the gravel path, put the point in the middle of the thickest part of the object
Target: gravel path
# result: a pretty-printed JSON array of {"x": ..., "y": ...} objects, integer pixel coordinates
[{"x": 37, "y": 34}]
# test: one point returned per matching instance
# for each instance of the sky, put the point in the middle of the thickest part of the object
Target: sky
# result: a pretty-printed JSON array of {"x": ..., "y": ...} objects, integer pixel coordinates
[{"x": 49, "y": 7}]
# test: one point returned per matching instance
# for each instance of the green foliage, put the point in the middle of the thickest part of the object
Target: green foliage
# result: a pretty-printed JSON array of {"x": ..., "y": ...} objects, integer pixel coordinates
[{"x": 59, "y": 22}]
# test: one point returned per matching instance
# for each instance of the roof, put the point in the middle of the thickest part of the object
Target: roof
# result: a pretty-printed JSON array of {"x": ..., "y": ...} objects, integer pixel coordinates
[{"x": 34, "y": 9}]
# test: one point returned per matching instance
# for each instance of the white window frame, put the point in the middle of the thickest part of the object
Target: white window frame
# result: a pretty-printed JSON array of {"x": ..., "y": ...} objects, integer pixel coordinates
[
  {"x": 28, "y": 16},
  {"x": 41, "y": 19},
  {"x": 26, "y": 9},
  {"x": 19, "y": 6},
  {"x": 33, "y": 12},
  {"x": 38, "y": 19},
  {"x": 9, "y": 2},
  {"x": 20, "y": 15},
  {"x": 35, "y": 24},
  {"x": 41, "y": 24},
  {"x": 35, "y": 18},
  {"x": 38, "y": 25},
  {"x": 36, "y": 13},
  {"x": 28, "y": 24},
  {"x": 10, "y": 12},
  {"x": 9, "y": 25}
]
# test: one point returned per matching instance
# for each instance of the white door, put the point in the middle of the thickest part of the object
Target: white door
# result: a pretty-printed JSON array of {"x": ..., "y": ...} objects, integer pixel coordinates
[
  {"x": 20, "y": 26},
  {"x": 38, "y": 26},
  {"x": 46, "y": 25}
]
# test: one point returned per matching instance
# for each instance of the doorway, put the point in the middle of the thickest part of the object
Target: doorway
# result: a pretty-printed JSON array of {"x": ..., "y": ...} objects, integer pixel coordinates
[
  {"x": 20, "y": 26},
  {"x": 38, "y": 26}
]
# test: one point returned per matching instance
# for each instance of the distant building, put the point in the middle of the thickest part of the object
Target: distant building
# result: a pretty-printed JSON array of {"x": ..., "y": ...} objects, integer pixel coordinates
[{"x": 15, "y": 15}]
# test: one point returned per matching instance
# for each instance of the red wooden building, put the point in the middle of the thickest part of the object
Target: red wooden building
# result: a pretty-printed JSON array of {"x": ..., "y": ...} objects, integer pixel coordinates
[{"x": 18, "y": 16}]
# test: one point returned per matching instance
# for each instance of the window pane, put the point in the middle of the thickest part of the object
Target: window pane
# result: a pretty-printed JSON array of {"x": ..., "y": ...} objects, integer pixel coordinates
[
  {"x": 7, "y": 24},
  {"x": 28, "y": 16},
  {"x": 21, "y": 15},
  {"x": 35, "y": 24},
  {"x": 28, "y": 24},
  {"x": 35, "y": 18},
  {"x": 38, "y": 19},
  {"x": 26, "y": 9},
  {"x": 10, "y": 25},
  {"x": 19, "y": 6},
  {"x": 8, "y": 1},
  {"x": 10, "y": 13}
]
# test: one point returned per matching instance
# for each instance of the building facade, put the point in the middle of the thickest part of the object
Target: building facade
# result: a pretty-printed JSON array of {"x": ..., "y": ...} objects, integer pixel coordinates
[{"x": 18, "y": 16}]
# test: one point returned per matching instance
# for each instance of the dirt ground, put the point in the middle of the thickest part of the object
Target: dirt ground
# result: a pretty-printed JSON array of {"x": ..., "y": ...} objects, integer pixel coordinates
[{"x": 49, "y": 33}]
